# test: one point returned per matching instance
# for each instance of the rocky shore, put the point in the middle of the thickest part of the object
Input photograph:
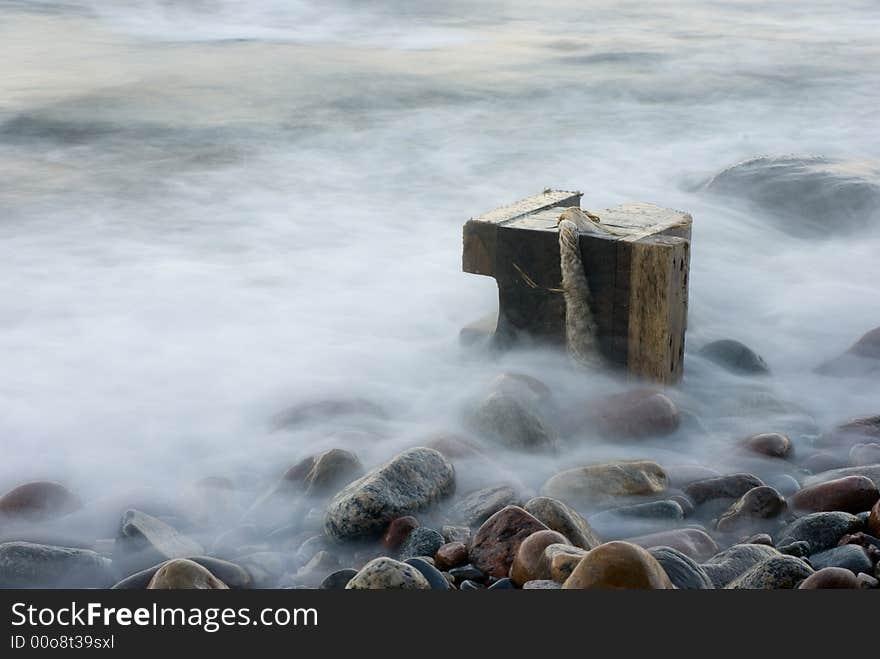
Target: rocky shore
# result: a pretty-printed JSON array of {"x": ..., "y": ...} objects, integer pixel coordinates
[{"x": 779, "y": 510}]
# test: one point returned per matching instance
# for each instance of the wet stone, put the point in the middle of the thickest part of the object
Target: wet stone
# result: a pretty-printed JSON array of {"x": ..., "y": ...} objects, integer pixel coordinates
[
  {"x": 450, "y": 555},
  {"x": 498, "y": 539},
  {"x": 183, "y": 574},
  {"x": 600, "y": 484},
  {"x": 467, "y": 572},
  {"x": 684, "y": 572},
  {"x": 38, "y": 500},
  {"x": 732, "y": 486},
  {"x": 618, "y": 565},
  {"x": 398, "y": 531},
  {"x": 29, "y": 565},
  {"x": 565, "y": 520},
  {"x": 822, "y": 530},
  {"x": 477, "y": 507},
  {"x": 830, "y": 578},
  {"x": 850, "y": 557},
  {"x": 752, "y": 509},
  {"x": 386, "y": 573},
  {"x": 735, "y": 561},
  {"x": 409, "y": 482},
  {"x": 338, "y": 580},
  {"x": 775, "y": 573},
  {"x": 735, "y": 357},
  {"x": 432, "y": 575},
  {"x": 421, "y": 542},
  {"x": 144, "y": 541}
]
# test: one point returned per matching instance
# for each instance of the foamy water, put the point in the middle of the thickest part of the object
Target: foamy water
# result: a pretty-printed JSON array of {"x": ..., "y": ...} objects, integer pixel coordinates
[{"x": 209, "y": 212}]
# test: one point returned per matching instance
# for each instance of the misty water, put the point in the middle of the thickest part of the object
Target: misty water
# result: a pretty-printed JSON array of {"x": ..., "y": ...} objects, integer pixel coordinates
[{"x": 211, "y": 211}]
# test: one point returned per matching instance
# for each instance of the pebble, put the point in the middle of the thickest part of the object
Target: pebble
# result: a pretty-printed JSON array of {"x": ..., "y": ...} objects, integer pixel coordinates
[
  {"x": 867, "y": 581},
  {"x": 409, "y": 482},
  {"x": 695, "y": 543},
  {"x": 432, "y": 575},
  {"x": 601, "y": 483},
  {"x": 467, "y": 573},
  {"x": 386, "y": 573},
  {"x": 338, "y": 580},
  {"x": 183, "y": 574},
  {"x": 29, "y": 565},
  {"x": 753, "y": 508},
  {"x": 467, "y": 584},
  {"x": 231, "y": 574},
  {"x": 421, "y": 542},
  {"x": 735, "y": 357},
  {"x": 454, "y": 533},
  {"x": 731, "y": 486},
  {"x": 830, "y": 577},
  {"x": 850, "y": 557},
  {"x": 559, "y": 560},
  {"x": 144, "y": 541},
  {"x": 735, "y": 561},
  {"x": 774, "y": 573},
  {"x": 528, "y": 564},
  {"x": 618, "y": 565},
  {"x": 565, "y": 520},
  {"x": 851, "y": 494},
  {"x": 398, "y": 531},
  {"x": 498, "y": 539},
  {"x": 503, "y": 584},
  {"x": 683, "y": 571},
  {"x": 799, "y": 548},
  {"x": 478, "y": 506},
  {"x": 450, "y": 555},
  {"x": 821, "y": 530},
  {"x": 770, "y": 444},
  {"x": 38, "y": 500}
]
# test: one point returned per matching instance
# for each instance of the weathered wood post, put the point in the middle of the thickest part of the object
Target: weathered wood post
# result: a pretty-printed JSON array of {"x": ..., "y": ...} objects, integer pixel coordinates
[{"x": 638, "y": 278}]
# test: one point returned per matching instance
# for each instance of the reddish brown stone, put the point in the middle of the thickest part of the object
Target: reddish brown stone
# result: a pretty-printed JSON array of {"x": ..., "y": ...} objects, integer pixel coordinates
[
  {"x": 771, "y": 444},
  {"x": 874, "y": 520},
  {"x": 829, "y": 577},
  {"x": 634, "y": 414},
  {"x": 39, "y": 500},
  {"x": 451, "y": 555},
  {"x": 692, "y": 542},
  {"x": 398, "y": 530},
  {"x": 850, "y": 494},
  {"x": 527, "y": 564},
  {"x": 498, "y": 539}
]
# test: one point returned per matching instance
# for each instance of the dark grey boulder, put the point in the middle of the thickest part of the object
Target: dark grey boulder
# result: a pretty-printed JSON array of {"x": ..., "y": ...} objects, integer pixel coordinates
[
  {"x": 775, "y": 573},
  {"x": 850, "y": 557},
  {"x": 735, "y": 357},
  {"x": 681, "y": 569},
  {"x": 735, "y": 561},
  {"x": 821, "y": 530},
  {"x": 421, "y": 541}
]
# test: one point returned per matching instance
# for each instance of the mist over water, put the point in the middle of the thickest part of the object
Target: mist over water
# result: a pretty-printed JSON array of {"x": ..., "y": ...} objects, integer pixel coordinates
[{"x": 210, "y": 212}]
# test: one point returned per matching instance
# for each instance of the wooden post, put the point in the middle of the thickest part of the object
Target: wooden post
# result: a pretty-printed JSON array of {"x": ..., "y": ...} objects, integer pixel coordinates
[{"x": 638, "y": 278}]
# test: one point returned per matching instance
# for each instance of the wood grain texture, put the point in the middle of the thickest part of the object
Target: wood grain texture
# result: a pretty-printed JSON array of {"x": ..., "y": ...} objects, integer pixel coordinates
[{"x": 638, "y": 279}]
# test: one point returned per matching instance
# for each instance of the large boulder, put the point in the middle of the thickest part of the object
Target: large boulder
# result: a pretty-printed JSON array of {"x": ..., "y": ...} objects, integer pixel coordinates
[
  {"x": 411, "y": 481},
  {"x": 599, "y": 484},
  {"x": 806, "y": 195},
  {"x": 618, "y": 566}
]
